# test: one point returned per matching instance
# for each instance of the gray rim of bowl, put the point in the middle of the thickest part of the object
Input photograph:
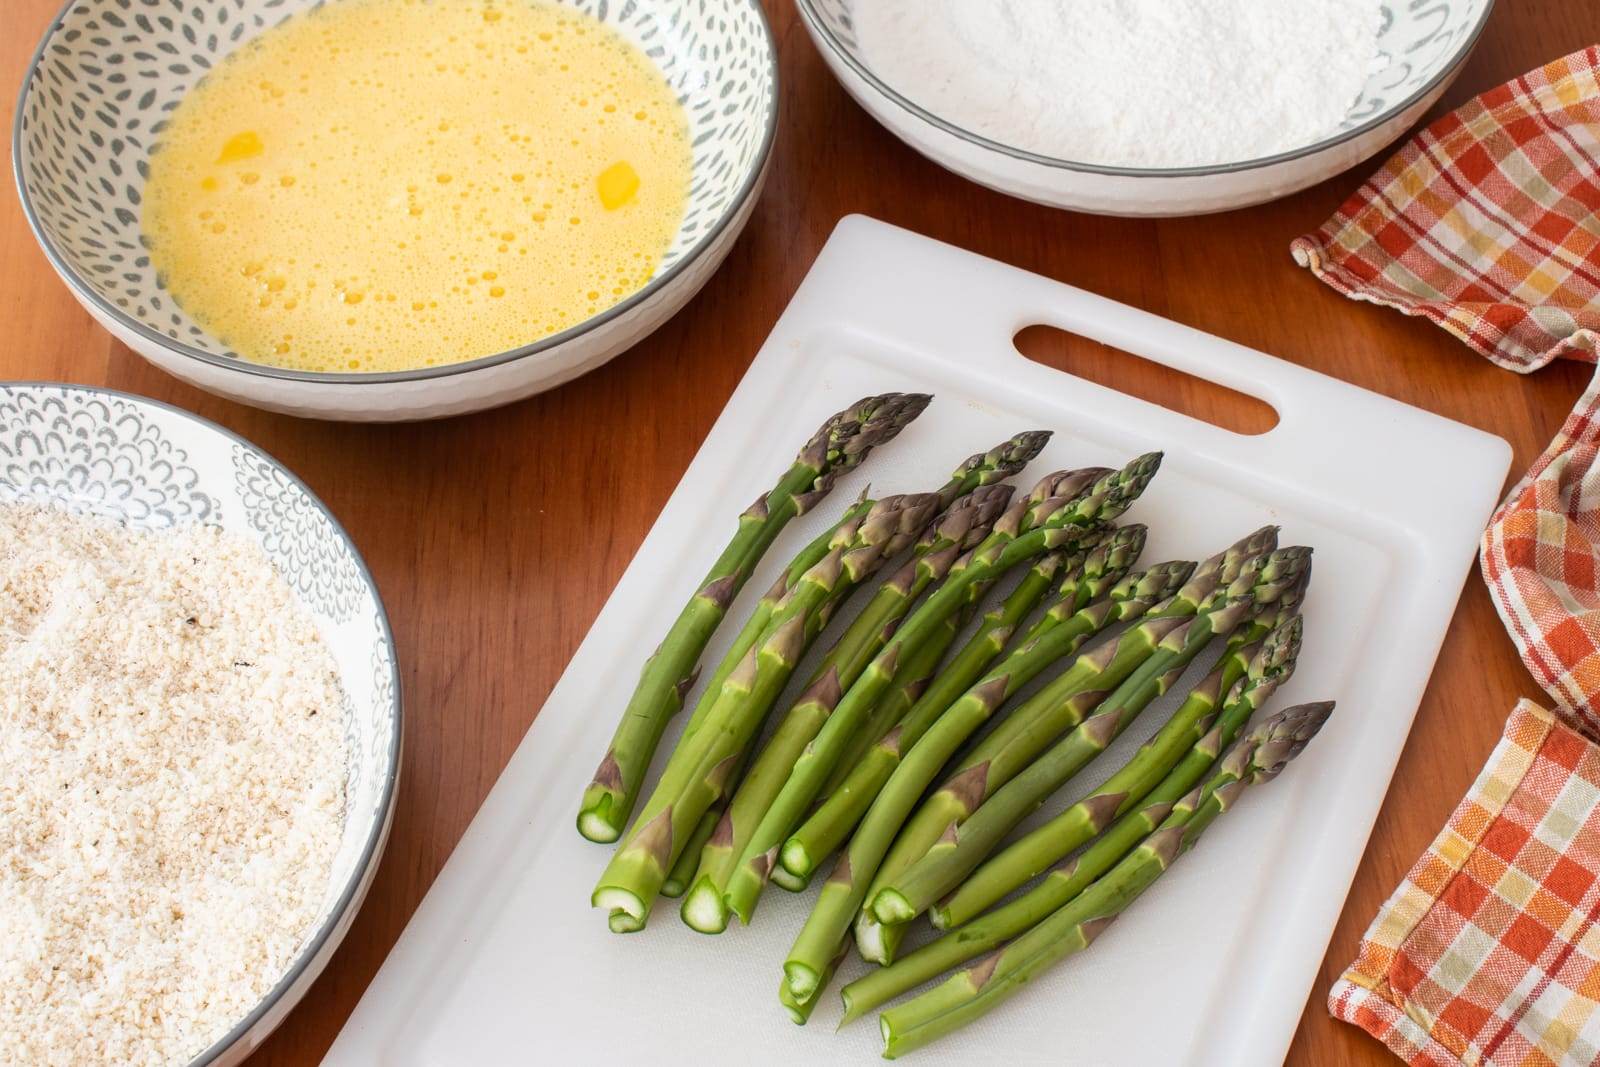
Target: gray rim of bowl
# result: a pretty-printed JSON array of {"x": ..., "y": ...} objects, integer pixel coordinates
[
  {"x": 265, "y": 370},
  {"x": 822, "y": 32},
  {"x": 391, "y": 780}
]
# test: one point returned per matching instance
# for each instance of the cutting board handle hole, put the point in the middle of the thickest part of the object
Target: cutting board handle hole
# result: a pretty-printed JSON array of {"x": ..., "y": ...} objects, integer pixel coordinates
[{"x": 1146, "y": 379}]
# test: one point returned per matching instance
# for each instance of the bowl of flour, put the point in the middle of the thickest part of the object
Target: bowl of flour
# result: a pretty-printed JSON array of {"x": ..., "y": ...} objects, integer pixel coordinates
[
  {"x": 1145, "y": 107},
  {"x": 199, "y": 733}
]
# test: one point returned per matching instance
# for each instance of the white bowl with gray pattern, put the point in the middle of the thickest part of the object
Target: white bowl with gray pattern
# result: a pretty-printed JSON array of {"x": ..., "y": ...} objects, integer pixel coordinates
[
  {"x": 108, "y": 71},
  {"x": 153, "y": 466},
  {"x": 1421, "y": 48}
]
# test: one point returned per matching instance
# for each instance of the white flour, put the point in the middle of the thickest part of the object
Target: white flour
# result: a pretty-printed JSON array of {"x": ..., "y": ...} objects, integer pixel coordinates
[{"x": 1150, "y": 83}]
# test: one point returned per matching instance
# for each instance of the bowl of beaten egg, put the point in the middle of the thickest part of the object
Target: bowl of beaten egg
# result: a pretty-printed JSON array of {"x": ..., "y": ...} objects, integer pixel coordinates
[{"x": 391, "y": 209}]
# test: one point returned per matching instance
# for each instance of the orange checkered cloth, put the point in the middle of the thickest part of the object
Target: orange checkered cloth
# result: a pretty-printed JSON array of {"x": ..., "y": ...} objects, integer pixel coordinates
[
  {"x": 1488, "y": 223},
  {"x": 1488, "y": 951}
]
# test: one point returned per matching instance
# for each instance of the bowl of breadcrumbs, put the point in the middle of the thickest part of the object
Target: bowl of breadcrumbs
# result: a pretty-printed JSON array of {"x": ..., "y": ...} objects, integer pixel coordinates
[{"x": 199, "y": 733}]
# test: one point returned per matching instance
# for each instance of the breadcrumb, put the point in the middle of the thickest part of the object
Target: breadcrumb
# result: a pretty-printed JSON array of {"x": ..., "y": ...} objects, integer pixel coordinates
[{"x": 172, "y": 777}]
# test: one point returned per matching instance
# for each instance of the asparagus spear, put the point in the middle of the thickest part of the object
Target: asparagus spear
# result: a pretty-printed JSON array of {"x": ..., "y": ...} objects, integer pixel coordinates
[
  {"x": 1258, "y": 670},
  {"x": 965, "y": 523},
  {"x": 916, "y": 673},
  {"x": 679, "y": 763},
  {"x": 800, "y": 1010},
  {"x": 1083, "y": 609},
  {"x": 912, "y": 679},
  {"x": 841, "y": 444},
  {"x": 1056, "y": 513},
  {"x": 977, "y": 472},
  {"x": 970, "y": 937},
  {"x": 1046, "y": 715},
  {"x": 974, "y": 992},
  {"x": 974, "y": 473},
  {"x": 1049, "y": 713},
  {"x": 846, "y": 889},
  {"x": 1022, "y": 600},
  {"x": 982, "y": 813},
  {"x": 639, "y": 867},
  {"x": 683, "y": 871},
  {"x": 962, "y": 526},
  {"x": 688, "y": 862}
]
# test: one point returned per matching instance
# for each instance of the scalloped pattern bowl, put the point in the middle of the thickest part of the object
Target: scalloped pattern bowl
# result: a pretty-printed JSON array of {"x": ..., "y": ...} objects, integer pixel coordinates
[
  {"x": 108, "y": 71},
  {"x": 1422, "y": 45},
  {"x": 153, "y": 467}
]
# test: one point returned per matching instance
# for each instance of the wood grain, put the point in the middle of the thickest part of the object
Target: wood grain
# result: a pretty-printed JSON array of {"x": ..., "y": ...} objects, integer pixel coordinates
[{"x": 495, "y": 538}]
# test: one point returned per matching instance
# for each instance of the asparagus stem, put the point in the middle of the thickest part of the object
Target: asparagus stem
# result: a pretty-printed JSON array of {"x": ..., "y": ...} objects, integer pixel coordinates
[
  {"x": 974, "y": 473},
  {"x": 800, "y": 1010},
  {"x": 1052, "y": 711},
  {"x": 870, "y": 628},
  {"x": 965, "y": 523},
  {"x": 901, "y": 697},
  {"x": 688, "y": 861},
  {"x": 845, "y": 890},
  {"x": 1056, "y": 513},
  {"x": 679, "y": 762},
  {"x": 639, "y": 867},
  {"x": 1045, "y": 716},
  {"x": 1261, "y": 667},
  {"x": 1084, "y": 607},
  {"x": 969, "y": 937},
  {"x": 962, "y": 526},
  {"x": 841, "y": 444},
  {"x": 983, "y": 814},
  {"x": 974, "y": 992},
  {"x": 911, "y": 681}
]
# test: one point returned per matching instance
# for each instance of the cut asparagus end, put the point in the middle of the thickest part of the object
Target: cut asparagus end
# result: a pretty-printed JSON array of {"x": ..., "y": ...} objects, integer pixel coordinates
[
  {"x": 886, "y": 1029},
  {"x": 890, "y": 907},
  {"x": 595, "y": 823},
  {"x": 615, "y": 899},
  {"x": 703, "y": 909},
  {"x": 741, "y": 900},
  {"x": 784, "y": 879},
  {"x": 802, "y": 980},
  {"x": 939, "y": 916},
  {"x": 799, "y": 1010},
  {"x": 673, "y": 888},
  {"x": 870, "y": 942},
  {"x": 620, "y": 922},
  {"x": 796, "y": 860},
  {"x": 850, "y": 1013}
]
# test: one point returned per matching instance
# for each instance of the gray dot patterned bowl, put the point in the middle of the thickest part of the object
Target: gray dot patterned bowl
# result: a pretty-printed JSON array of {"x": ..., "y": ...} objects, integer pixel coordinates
[
  {"x": 109, "y": 71},
  {"x": 1422, "y": 45},
  {"x": 154, "y": 467}
]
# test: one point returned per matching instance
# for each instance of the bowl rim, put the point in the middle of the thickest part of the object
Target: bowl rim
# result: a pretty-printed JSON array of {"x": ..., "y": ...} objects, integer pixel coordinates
[
  {"x": 90, "y": 296},
  {"x": 821, "y": 32},
  {"x": 315, "y": 944}
]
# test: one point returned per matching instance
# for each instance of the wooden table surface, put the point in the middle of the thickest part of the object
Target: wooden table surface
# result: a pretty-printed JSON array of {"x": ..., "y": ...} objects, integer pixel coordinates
[{"x": 495, "y": 538}]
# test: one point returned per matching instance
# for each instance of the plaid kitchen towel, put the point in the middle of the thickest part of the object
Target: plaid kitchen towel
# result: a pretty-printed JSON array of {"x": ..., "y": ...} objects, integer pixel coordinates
[
  {"x": 1488, "y": 952},
  {"x": 1541, "y": 560},
  {"x": 1487, "y": 222}
]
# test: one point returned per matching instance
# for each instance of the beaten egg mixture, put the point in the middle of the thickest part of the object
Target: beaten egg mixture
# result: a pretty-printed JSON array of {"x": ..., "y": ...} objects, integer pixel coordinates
[{"x": 391, "y": 184}]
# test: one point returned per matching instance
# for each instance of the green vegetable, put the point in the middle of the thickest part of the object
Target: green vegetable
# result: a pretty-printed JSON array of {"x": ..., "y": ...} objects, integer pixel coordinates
[
  {"x": 1056, "y": 513},
  {"x": 973, "y": 834},
  {"x": 638, "y": 869},
  {"x": 976, "y": 991},
  {"x": 968, "y": 937},
  {"x": 1055, "y": 709},
  {"x": 841, "y": 444}
]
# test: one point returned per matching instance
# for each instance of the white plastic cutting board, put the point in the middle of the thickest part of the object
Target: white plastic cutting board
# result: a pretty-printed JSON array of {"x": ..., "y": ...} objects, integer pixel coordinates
[{"x": 504, "y": 961}]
